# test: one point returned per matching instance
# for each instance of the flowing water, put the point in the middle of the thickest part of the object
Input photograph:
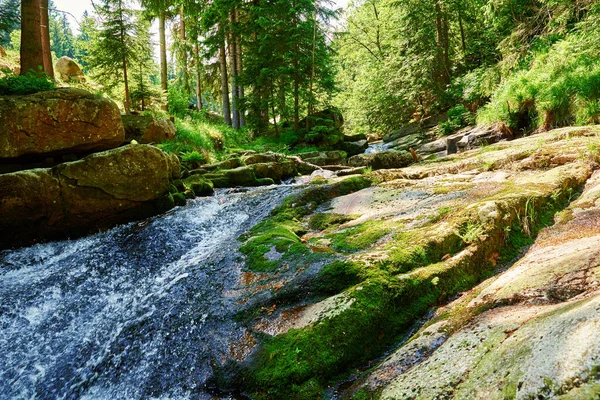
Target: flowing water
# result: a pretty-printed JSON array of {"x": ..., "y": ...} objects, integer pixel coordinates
[{"x": 144, "y": 310}]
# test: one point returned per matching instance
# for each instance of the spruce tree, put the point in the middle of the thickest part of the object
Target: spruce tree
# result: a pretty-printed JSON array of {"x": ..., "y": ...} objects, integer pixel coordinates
[{"x": 117, "y": 46}]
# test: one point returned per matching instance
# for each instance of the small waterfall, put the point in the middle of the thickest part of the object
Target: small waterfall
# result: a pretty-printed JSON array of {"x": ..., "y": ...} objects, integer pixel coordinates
[
  {"x": 144, "y": 310},
  {"x": 377, "y": 147}
]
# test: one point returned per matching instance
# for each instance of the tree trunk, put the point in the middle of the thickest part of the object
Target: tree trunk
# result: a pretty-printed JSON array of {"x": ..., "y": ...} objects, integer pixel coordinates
[
  {"x": 31, "y": 38},
  {"x": 127, "y": 104},
  {"x": 235, "y": 121},
  {"x": 442, "y": 46},
  {"x": 296, "y": 80},
  {"x": 312, "y": 74},
  {"x": 238, "y": 61},
  {"x": 183, "y": 53},
  {"x": 224, "y": 83},
  {"x": 163, "y": 50},
  {"x": 45, "y": 34},
  {"x": 198, "y": 76},
  {"x": 273, "y": 109}
]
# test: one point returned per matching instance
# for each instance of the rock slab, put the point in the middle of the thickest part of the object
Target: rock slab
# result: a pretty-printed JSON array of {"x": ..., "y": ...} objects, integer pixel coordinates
[
  {"x": 93, "y": 193},
  {"x": 58, "y": 121}
]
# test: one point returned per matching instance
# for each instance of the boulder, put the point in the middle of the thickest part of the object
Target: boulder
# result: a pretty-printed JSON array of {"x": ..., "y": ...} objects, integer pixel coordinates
[
  {"x": 384, "y": 160},
  {"x": 199, "y": 185},
  {"x": 69, "y": 70},
  {"x": 354, "y": 137},
  {"x": 242, "y": 176},
  {"x": 146, "y": 129},
  {"x": 268, "y": 170},
  {"x": 354, "y": 148},
  {"x": 58, "y": 121},
  {"x": 257, "y": 158},
  {"x": 322, "y": 158},
  {"x": 406, "y": 130},
  {"x": 93, "y": 193}
]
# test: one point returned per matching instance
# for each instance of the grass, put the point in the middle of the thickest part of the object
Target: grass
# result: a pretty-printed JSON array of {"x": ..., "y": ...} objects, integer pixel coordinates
[
  {"x": 560, "y": 87},
  {"x": 200, "y": 141}
]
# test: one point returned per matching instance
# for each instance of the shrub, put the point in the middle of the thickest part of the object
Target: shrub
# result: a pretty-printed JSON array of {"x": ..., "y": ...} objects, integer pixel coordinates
[{"x": 25, "y": 84}]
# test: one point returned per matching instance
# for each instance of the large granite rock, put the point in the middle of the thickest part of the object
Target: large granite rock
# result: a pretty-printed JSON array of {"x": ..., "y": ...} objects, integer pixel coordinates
[
  {"x": 383, "y": 160},
  {"x": 68, "y": 70},
  {"x": 354, "y": 148},
  {"x": 322, "y": 158},
  {"x": 147, "y": 129},
  {"x": 93, "y": 193},
  {"x": 58, "y": 122}
]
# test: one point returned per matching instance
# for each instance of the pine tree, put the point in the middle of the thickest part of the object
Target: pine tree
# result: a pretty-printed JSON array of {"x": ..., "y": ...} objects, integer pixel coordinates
[
  {"x": 117, "y": 46},
  {"x": 9, "y": 19}
]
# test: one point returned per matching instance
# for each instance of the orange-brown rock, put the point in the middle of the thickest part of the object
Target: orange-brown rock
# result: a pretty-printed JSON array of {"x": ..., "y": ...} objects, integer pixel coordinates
[
  {"x": 58, "y": 122},
  {"x": 147, "y": 129}
]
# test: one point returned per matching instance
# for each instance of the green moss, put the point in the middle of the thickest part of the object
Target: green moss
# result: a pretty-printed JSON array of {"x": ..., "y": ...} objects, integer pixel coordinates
[
  {"x": 322, "y": 221},
  {"x": 265, "y": 181},
  {"x": 360, "y": 237},
  {"x": 164, "y": 203},
  {"x": 179, "y": 199},
  {"x": 339, "y": 275},
  {"x": 200, "y": 185}
]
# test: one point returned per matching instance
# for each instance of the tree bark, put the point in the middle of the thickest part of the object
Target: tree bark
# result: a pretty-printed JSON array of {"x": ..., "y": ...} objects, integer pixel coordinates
[
  {"x": 163, "y": 50},
  {"x": 198, "y": 76},
  {"x": 296, "y": 80},
  {"x": 312, "y": 74},
  {"x": 183, "y": 53},
  {"x": 224, "y": 83},
  {"x": 45, "y": 34},
  {"x": 127, "y": 104},
  {"x": 31, "y": 37},
  {"x": 235, "y": 120},
  {"x": 238, "y": 61},
  {"x": 442, "y": 45}
]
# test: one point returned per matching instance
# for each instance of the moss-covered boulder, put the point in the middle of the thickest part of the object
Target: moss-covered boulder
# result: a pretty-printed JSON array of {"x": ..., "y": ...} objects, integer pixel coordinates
[
  {"x": 200, "y": 185},
  {"x": 58, "y": 122},
  {"x": 93, "y": 193},
  {"x": 354, "y": 148},
  {"x": 323, "y": 158},
  {"x": 383, "y": 160},
  {"x": 147, "y": 129}
]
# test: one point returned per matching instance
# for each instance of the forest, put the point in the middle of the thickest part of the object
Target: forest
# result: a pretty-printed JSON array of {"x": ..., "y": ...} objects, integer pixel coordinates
[{"x": 264, "y": 66}]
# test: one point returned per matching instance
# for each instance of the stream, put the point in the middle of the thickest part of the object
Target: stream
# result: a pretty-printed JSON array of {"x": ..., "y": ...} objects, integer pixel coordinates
[{"x": 144, "y": 310}]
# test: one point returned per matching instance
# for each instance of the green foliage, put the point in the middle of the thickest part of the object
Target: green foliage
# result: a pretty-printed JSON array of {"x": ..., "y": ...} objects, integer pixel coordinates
[
  {"x": 25, "y": 84},
  {"x": 193, "y": 157},
  {"x": 322, "y": 221},
  {"x": 9, "y": 19},
  {"x": 458, "y": 117}
]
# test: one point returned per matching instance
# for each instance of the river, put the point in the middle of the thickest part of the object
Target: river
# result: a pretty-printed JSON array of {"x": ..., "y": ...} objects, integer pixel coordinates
[{"x": 144, "y": 310}]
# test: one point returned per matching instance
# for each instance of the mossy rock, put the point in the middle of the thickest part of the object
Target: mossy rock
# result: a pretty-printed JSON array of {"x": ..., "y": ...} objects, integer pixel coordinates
[
  {"x": 200, "y": 185},
  {"x": 242, "y": 176},
  {"x": 270, "y": 170},
  {"x": 265, "y": 181},
  {"x": 164, "y": 203},
  {"x": 179, "y": 199}
]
